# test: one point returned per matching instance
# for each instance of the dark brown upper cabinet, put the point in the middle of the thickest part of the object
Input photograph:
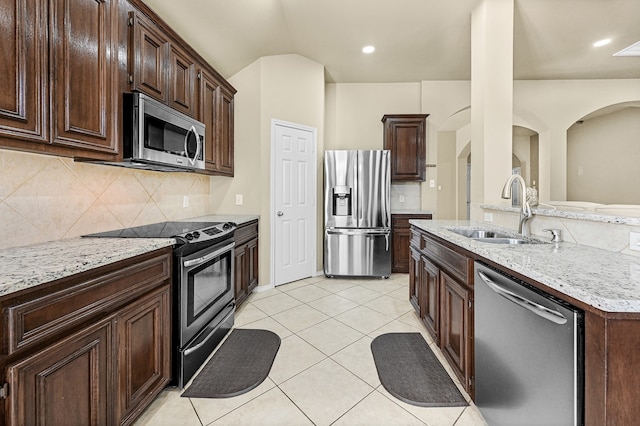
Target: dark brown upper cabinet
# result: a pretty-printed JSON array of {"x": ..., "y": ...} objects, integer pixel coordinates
[
  {"x": 160, "y": 68},
  {"x": 182, "y": 81},
  {"x": 216, "y": 112},
  {"x": 404, "y": 135},
  {"x": 148, "y": 56},
  {"x": 59, "y": 80}
]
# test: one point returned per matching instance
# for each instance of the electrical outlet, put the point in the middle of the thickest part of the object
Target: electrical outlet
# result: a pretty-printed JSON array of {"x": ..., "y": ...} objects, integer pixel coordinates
[
  {"x": 238, "y": 199},
  {"x": 185, "y": 201},
  {"x": 634, "y": 241},
  {"x": 432, "y": 183},
  {"x": 488, "y": 217},
  {"x": 401, "y": 198}
]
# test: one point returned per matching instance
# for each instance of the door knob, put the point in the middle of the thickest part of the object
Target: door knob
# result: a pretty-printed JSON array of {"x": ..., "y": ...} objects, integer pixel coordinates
[{"x": 279, "y": 213}]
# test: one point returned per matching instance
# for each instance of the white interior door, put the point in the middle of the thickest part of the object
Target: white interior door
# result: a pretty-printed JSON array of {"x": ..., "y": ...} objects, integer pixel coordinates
[{"x": 294, "y": 201}]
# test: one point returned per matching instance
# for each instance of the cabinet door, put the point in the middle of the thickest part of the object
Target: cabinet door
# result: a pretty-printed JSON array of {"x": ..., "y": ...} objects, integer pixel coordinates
[
  {"x": 68, "y": 383},
  {"x": 430, "y": 297},
  {"x": 240, "y": 269},
  {"x": 404, "y": 135},
  {"x": 182, "y": 75},
  {"x": 83, "y": 37},
  {"x": 209, "y": 114},
  {"x": 24, "y": 77},
  {"x": 456, "y": 327},
  {"x": 252, "y": 265},
  {"x": 414, "y": 279},
  {"x": 148, "y": 58},
  {"x": 226, "y": 133},
  {"x": 401, "y": 238},
  {"x": 216, "y": 112},
  {"x": 144, "y": 347}
]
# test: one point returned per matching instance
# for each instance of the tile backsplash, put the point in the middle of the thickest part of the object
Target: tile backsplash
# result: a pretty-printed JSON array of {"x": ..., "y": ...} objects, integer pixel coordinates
[
  {"x": 46, "y": 198},
  {"x": 410, "y": 193}
]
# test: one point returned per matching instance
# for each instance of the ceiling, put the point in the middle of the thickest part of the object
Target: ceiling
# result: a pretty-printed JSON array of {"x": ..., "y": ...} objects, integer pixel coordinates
[{"x": 415, "y": 39}]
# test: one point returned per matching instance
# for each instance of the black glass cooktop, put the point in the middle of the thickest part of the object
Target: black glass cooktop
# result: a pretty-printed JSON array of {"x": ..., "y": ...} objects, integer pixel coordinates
[{"x": 156, "y": 230}]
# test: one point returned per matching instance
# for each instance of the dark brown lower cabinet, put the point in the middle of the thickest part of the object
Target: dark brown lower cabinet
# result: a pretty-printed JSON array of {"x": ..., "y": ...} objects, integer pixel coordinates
[
  {"x": 401, "y": 237},
  {"x": 444, "y": 303},
  {"x": 68, "y": 383},
  {"x": 430, "y": 296},
  {"x": 456, "y": 314},
  {"x": 90, "y": 349},
  {"x": 143, "y": 358},
  {"x": 246, "y": 260}
]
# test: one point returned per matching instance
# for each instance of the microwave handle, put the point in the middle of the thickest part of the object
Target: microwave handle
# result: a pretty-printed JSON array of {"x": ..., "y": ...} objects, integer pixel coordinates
[{"x": 198, "y": 145}]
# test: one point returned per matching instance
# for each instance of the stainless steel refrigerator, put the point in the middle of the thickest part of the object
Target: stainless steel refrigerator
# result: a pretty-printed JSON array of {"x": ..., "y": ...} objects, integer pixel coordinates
[{"x": 357, "y": 215}]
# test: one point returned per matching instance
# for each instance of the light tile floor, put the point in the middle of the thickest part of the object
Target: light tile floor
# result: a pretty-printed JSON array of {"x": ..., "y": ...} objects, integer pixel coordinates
[{"x": 324, "y": 373}]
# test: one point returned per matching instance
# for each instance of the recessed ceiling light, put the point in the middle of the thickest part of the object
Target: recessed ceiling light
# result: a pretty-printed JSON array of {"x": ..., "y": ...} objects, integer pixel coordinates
[
  {"x": 368, "y": 49},
  {"x": 601, "y": 43}
]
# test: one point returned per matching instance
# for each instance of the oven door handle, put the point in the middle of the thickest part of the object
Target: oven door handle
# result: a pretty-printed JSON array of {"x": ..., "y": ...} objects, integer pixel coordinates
[{"x": 208, "y": 257}]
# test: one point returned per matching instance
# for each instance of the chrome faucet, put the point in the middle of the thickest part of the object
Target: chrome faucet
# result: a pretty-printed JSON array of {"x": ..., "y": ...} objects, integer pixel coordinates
[{"x": 525, "y": 209}]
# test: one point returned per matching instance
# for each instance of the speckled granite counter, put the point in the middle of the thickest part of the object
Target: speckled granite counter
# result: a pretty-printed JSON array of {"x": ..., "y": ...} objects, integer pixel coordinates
[
  {"x": 602, "y": 214},
  {"x": 605, "y": 280},
  {"x": 29, "y": 266}
]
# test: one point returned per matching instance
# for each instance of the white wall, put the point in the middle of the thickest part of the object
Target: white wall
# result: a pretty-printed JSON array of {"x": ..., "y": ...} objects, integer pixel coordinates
[
  {"x": 284, "y": 87},
  {"x": 603, "y": 159},
  {"x": 354, "y": 112},
  {"x": 550, "y": 107}
]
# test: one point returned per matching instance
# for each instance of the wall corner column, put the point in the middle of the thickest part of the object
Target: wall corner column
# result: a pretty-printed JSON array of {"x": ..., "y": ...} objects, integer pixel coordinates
[{"x": 491, "y": 98}]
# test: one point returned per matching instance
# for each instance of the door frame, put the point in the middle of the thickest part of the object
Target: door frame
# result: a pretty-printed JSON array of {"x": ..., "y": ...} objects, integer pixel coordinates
[{"x": 313, "y": 191}]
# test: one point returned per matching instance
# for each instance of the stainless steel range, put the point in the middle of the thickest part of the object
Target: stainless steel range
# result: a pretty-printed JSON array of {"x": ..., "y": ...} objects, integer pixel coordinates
[{"x": 203, "y": 287}]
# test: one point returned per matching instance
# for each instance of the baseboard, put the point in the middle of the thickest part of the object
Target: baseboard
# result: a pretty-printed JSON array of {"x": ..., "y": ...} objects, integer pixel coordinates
[{"x": 260, "y": 288}]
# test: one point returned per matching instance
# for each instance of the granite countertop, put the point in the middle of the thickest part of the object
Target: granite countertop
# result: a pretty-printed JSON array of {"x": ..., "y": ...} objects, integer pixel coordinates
[
  {"x": 29, "y": 266},
  {"x": 602, "y": 279}
]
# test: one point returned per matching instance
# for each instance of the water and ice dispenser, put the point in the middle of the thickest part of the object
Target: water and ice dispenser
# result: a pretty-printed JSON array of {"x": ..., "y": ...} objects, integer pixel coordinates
[{"x": 341, "y": 200}]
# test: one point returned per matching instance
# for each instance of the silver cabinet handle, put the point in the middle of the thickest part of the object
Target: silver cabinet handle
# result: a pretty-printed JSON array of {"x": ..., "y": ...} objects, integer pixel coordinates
[
  {"x": 542, "y": 311},
  {"x": 279, "y": 213}
]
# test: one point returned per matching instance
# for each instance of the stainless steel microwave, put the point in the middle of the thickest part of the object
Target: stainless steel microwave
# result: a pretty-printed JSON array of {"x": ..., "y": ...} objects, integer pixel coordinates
[{"x": 157, "y": 137}]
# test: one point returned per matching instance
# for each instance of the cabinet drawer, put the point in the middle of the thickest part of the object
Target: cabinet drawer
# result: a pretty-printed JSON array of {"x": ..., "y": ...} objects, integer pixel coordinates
[
  {"x": 458, "y": 265},
  {"x": 402, "y": 220},
  {"x": 246, "y": 232},
  {"x": 416, "y": 239},
  {"x": 30, "y": 321}
]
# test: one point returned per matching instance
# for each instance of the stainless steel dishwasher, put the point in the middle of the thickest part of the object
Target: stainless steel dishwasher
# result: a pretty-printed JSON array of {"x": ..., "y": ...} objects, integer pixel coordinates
[{"x": 529, "y": 346}]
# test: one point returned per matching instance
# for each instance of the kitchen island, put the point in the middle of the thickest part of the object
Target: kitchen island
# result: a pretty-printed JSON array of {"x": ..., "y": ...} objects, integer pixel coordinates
[{"x": 604, "y": 284}]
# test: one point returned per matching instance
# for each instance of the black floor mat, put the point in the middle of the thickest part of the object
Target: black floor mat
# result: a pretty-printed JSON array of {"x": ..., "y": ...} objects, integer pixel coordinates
[
  {"x": 240, "y": 364},
  {"x": 410, "y": 371}
]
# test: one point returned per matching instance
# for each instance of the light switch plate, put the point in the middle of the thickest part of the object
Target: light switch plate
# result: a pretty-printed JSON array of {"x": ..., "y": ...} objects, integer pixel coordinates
[
  {"x": 401, "y": 198},
  {"x": 185, "y": 201},
  {"x": 238, "y": 199},
  {"x": 488, "y": 217},
  {"x": 432, "y": 183}
]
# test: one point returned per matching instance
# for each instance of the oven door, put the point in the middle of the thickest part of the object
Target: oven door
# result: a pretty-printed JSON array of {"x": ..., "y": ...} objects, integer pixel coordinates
[{"x": 206, "y": 287}]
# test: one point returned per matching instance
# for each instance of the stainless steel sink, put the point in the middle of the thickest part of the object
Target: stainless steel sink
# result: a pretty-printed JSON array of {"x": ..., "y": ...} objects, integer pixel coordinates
[
  {"x": 493, "y": 237},
  {"x": 479, "y": 233},
  {"x": 505, "y": 240}
]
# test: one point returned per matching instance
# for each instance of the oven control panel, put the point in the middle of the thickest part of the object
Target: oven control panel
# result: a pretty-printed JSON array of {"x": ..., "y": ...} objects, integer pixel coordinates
[{"x": 216, "y": 232}]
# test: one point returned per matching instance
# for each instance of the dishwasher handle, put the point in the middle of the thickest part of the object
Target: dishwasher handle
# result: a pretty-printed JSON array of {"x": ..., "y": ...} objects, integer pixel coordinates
[{"x": 542, "y": 311}]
